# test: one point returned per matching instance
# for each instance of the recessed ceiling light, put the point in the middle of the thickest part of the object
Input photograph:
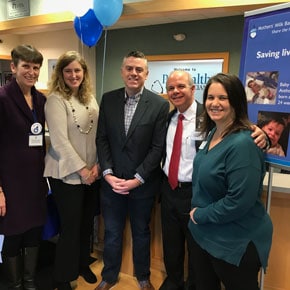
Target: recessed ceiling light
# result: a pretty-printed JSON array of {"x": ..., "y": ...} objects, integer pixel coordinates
[{"x": 179, "y": 36}]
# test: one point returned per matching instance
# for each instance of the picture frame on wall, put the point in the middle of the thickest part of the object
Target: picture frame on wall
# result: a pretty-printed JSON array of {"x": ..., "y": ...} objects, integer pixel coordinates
[{"x": 51, "y": 63}]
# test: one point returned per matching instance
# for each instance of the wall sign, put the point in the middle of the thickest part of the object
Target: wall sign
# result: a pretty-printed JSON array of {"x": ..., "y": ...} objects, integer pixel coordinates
[
  {"x": 201, "y": 66},
  {"x": 17, "y": 9}
]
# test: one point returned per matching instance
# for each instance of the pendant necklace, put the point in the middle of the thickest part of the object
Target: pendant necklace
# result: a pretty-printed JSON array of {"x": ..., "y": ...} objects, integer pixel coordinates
[{"x": 83, "y": 131}]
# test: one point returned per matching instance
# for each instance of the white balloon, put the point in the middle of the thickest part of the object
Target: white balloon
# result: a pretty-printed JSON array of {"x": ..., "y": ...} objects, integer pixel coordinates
[{"x": 81, "y": 7}]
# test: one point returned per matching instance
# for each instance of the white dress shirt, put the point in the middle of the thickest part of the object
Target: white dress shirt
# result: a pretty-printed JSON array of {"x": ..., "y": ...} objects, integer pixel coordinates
[{"x": 189, "y": 136}]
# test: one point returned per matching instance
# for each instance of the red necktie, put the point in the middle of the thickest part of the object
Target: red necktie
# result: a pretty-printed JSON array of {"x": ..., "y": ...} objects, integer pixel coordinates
[{"x": 175, "y": 155}]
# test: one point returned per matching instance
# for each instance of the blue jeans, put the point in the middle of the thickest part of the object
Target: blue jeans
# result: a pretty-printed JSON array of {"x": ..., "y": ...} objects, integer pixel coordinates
[{"x": 115, "y": 208}]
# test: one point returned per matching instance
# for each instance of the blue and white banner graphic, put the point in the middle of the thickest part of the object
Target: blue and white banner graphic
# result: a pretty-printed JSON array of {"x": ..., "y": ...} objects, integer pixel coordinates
[{"x": 265, "y": 72}]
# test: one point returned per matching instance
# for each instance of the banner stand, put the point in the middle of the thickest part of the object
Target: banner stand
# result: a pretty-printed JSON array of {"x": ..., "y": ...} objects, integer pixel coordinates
[
  {"x": 264, "y": 71},
  {"x": 268, "y": 207},
  {"x": 269, "y": 189}
]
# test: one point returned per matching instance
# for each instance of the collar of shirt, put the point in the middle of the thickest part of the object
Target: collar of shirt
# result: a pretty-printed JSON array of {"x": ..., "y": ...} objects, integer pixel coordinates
[
  {"x": 189, "y": 114},
  {"x": 133, "y": 99}
]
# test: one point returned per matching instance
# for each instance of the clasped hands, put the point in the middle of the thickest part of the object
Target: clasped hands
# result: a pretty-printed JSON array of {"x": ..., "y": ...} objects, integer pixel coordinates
[
  {"x": 89, "y": 176},
  {"x": 120, "y": 185}
]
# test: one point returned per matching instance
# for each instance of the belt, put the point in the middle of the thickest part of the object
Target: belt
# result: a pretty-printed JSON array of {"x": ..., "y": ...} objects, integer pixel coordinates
[
  {"x": 180, "y": 184},
  {"x": 184, "y": 184}
]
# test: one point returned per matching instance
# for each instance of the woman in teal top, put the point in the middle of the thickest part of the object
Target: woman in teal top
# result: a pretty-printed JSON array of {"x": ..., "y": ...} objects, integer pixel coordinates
[{"x": 229, "y": 223}]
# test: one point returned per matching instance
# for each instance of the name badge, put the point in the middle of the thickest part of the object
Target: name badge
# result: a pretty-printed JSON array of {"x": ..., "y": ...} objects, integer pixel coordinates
[
  {"x": 35, "y": 138},
  {"x": 202, "y": 145}
]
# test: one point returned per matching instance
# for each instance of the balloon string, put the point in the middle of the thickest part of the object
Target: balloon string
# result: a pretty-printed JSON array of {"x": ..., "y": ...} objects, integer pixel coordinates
[
  {"x": 104, "y": 60},
  {"x": 82, "y": 47},
  {"x": 80, "y": 28}
]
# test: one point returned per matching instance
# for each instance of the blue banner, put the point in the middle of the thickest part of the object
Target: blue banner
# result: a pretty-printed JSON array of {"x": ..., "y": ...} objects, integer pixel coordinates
[{"x": 265, "y": 72}]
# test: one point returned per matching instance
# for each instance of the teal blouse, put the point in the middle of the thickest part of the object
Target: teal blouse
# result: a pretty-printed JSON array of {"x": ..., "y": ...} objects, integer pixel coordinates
[{"x": 227, "y": 188}]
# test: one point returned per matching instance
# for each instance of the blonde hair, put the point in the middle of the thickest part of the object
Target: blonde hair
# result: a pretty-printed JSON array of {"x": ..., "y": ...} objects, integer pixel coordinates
[{"x": 57, "y": 84}]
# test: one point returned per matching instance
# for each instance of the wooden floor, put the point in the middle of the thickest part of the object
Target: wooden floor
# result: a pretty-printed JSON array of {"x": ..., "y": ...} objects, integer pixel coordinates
[
  {"x": 45, "y": 279},
  {"x": 126, "y": 282}
]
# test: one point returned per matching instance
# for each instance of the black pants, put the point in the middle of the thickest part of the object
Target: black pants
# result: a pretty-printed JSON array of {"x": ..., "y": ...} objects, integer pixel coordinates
[
  {"x": 77, "y": 206},
  {"x": 12, "y": 245},
  {"x": 210, "y": 271},
  {"x": 175, "y": 207}
]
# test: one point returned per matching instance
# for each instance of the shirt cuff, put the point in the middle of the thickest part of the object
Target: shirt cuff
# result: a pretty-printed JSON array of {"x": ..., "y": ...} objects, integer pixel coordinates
[
  {"x": 139, "y": 178},
  {"x": 268, "y": 143},
  {"x": 107, "y": 171}
]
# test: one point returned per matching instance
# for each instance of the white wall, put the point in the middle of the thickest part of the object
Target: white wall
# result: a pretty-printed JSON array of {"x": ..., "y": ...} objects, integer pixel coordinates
[
  {"x": 50, "y": 44},
  {"x": 2, "y": 10},
  {"x": 38, "y": 7},
  {"x": 8, "y": 42}
]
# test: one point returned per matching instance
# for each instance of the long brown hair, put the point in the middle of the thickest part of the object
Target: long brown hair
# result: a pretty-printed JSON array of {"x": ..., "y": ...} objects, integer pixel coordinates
[
  {"x": 57, "y": 84},
  {"x": 237, "y": 99}
]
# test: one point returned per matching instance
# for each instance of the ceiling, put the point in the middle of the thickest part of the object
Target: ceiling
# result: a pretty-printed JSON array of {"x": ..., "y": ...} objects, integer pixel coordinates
[
  {"x": 153, "y": 12},
  {"x": 141, "y": 13}
]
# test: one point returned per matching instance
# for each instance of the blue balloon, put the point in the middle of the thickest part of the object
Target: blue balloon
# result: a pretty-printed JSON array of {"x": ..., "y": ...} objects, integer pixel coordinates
[
  {"x": 108, "y": 11},
  {"x": 88, "y": 28}
]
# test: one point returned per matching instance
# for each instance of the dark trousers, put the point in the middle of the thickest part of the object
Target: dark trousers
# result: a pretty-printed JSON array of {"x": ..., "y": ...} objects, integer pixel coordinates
[
  {"x": 210, "y": 271},
  {"x": 12, "y": 245},
  {"x": 77, "y": 206},
  {"x": 115, "y": 208},
  {"x": 175, "y": 207}
]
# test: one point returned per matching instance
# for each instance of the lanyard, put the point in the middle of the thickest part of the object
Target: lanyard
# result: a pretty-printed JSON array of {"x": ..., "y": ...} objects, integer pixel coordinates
[{"x": 34, "y": 115}]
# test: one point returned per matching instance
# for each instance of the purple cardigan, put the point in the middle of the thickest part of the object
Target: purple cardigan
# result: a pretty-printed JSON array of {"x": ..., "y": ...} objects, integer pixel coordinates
[{"x": 21, "y": 166}]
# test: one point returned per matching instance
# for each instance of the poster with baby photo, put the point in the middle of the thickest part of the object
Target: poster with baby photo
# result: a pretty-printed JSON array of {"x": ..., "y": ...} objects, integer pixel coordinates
[
  {"x": 261, "y": 87},
  {"x": 277, "y": 126},
  {"x": 264, "y": 71}
]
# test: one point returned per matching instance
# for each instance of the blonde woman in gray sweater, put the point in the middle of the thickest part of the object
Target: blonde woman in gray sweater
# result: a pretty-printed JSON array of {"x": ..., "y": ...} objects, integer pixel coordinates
[{"x": 71, "y": 166}]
